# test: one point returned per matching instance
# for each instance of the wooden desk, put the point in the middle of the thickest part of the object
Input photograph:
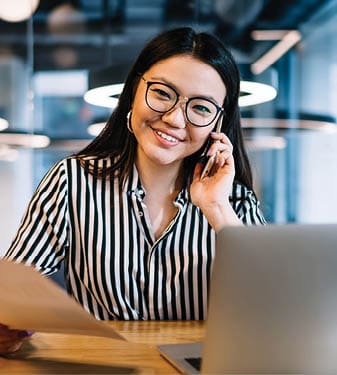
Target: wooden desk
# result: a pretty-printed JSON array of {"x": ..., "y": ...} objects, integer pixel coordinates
[{"x": 74, "y": 354}]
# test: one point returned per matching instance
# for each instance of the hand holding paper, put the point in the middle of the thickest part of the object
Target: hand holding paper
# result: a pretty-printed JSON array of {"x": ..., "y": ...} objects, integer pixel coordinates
[{"x": 31, "y": 301}]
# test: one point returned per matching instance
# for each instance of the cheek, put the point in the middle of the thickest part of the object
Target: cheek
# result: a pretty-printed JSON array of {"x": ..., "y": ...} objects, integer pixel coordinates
[
  {"x": 139, "y": 111},
  {"x": 200, "y": 136},
  {"x": 138, "y": 104},
  {"x": 142, "y": 117}
]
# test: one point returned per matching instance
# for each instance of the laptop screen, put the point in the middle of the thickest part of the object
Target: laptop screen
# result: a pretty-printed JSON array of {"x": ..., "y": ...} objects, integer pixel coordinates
[{"x": 273, "y": 301}]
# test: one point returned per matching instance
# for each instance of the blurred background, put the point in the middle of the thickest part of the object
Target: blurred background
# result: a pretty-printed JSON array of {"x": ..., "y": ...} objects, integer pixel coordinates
[{"x": 52, "y": 52}]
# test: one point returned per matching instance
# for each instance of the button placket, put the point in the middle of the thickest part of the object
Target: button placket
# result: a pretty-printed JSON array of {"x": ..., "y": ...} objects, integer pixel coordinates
[{"x": 142, "y": 218}]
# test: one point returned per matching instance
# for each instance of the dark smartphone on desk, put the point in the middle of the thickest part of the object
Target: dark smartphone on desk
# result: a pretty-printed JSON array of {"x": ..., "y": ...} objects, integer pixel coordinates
[{"x": 209, "y": 161}]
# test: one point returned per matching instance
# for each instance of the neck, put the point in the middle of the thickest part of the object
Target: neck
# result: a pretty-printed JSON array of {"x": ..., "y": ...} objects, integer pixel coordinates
[{"x": 159, "y": 178}]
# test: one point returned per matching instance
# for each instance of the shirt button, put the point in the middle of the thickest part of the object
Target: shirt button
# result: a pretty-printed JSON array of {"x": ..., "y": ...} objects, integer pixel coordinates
[{"x": 140, "y": 213}]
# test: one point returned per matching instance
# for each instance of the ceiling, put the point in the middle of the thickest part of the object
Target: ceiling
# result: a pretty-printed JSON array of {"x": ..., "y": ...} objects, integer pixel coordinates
[{"x": 87, "y": 34}]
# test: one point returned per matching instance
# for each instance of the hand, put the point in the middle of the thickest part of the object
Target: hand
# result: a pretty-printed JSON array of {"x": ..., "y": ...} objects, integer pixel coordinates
[
  {"x": 211, "y": 193},
  {"x": 218, "y": 185},
  {"x": 11, "y": 339}
]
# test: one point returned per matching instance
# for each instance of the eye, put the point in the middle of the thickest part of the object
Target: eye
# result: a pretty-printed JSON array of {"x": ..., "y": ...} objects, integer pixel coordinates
[
  {"x": 201, "y": 109},
  {"x": 160, "y": 92}
]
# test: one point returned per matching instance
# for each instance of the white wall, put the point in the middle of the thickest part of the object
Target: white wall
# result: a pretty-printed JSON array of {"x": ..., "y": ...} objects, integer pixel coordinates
[
  {"x": 317, "y": 198},
  {"x": 317, "y": 188},
  {"x": 15, "y": 191}
]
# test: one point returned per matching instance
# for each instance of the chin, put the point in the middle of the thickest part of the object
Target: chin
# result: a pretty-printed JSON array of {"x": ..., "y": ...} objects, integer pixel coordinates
[{"x": 165, "y": 160}]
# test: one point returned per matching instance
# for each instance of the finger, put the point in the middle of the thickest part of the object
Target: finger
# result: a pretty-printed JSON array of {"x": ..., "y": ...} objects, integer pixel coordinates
[
  {"x": 12, "y": 340},
  {"x": 219, "y": 146},
  {"x": 10, "y": 335},
  {"x": 221, "y": 137},
  {"x": 15, "y": 347},
  {"x": 228, "y": 166},
  {"x": 223, "y": 157},
  {"x": 11, "y": 347}
]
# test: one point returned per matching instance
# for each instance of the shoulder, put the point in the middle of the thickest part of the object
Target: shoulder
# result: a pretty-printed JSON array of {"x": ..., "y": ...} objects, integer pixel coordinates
[
  {"x": 89, "y": 163},
  {"x": 74, "y": 164},
  {"x": 246, "y": 205},
  {"x": 240, "y": 192}
]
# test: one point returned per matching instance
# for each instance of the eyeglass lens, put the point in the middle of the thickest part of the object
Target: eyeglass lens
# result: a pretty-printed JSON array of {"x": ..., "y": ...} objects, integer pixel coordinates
[{"x": 163, "y": 98}]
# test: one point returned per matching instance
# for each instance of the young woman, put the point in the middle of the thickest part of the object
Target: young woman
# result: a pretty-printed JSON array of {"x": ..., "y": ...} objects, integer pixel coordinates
[{"x": 132, "y": 216}]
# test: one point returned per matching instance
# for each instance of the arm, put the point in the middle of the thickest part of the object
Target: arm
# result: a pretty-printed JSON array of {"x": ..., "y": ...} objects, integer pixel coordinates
[
  {"x": 40, "y": 240},
  {"x": 42, "y": 235}
]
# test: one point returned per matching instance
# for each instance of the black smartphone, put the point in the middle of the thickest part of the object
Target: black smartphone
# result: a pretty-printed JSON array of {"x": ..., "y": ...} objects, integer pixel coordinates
[{"x": 209, "y": 161}]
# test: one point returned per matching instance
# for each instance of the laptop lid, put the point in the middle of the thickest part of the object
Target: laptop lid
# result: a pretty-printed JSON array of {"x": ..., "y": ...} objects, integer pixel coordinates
[{"x": 273, "y": 301}]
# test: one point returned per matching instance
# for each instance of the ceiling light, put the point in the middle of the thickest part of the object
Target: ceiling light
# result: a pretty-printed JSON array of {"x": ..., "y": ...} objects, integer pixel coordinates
[
  {"x": 3, "y": 123},
  {"x": 276, "y": 52},
  {"x": 104, "y": 96},
  {"x": 105, "y": 85},
  {"x": 255, "y": 93},
  {"x": 274, "y": 123},
  {"x": 95, "y": 129},
  {"x": 22, "y": 139},
  {"x": 265, "y": 142},
  {"x": 261, "y": 35},
  {"x": 68, "y": 145},
  {"x": 17, "y": 10}
]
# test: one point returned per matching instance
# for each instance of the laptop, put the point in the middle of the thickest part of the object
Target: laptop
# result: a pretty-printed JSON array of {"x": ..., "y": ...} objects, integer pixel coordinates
[{"x": 272, "y": 305}]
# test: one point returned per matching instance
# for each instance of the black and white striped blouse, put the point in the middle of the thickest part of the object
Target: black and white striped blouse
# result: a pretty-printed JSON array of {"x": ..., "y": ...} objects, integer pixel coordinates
[{"x": 114, "y": 267}]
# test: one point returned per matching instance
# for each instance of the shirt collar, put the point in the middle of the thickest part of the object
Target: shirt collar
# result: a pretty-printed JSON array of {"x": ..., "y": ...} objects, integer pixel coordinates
[{"x": 134, "y": 187}]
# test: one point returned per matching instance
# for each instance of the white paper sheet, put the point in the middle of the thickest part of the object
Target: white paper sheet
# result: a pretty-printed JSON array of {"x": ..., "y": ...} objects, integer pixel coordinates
[{"x": 31, "y": 301}]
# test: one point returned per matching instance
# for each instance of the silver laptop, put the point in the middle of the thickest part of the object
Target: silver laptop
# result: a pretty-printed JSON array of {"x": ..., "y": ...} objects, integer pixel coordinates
[{"x": 273, "y": 304}]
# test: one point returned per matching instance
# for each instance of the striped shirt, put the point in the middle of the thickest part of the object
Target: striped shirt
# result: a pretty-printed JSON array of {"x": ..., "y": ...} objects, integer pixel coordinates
[{"x": 114, "y": 266}]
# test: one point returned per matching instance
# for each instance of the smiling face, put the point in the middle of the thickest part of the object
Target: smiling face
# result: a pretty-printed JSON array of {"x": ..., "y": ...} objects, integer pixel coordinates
[{"x": 166, "y": 139}]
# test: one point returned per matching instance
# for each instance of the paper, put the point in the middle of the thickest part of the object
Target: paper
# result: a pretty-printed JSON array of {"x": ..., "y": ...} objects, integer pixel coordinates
[{"x": 29, "y": 300}]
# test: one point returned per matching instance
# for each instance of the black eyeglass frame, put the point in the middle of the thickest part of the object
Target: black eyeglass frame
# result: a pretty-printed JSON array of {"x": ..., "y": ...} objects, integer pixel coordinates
[{"x": 149, "y": 83}]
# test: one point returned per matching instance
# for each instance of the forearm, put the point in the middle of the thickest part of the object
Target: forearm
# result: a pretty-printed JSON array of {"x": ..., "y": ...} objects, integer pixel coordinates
[{"x": 221, "y": 215}]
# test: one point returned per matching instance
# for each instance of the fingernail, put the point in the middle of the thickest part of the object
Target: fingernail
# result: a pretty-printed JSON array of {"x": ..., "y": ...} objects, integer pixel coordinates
[{"x": 23, "y": 334}]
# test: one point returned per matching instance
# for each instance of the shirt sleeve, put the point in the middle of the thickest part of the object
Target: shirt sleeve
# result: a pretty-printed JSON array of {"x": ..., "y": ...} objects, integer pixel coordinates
[
  {"x": 246, "y": 205},
  {"x": 42, "y": 235}
]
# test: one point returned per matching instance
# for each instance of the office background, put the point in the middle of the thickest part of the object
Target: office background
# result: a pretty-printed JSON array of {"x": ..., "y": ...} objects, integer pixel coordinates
[{"x": 50, "y": 60}]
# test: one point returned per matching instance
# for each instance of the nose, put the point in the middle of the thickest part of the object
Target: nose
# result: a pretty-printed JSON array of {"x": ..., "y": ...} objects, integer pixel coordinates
[{"x": 176, "y": 116}]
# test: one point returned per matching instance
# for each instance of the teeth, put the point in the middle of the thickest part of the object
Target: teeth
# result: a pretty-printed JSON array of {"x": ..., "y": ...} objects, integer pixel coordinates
[{"x": 167, "y": 137}]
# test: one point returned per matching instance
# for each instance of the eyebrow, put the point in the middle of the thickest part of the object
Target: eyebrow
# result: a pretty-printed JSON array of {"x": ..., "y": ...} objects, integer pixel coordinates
[{"x": 163, "y": 80}]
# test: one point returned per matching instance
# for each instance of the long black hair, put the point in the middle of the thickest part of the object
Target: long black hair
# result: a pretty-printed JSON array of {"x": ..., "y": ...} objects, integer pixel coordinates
[{"x": 117, "y": 142}]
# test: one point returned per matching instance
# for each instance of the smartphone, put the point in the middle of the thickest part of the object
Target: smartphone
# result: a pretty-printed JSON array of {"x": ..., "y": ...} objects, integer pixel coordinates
[
  {"x": 209, "y": 161},
  {"x": 209, "y": 166}
]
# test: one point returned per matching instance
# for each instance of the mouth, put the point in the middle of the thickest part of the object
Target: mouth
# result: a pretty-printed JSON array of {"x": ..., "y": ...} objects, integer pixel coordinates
[{"x": 167, "y": 137}]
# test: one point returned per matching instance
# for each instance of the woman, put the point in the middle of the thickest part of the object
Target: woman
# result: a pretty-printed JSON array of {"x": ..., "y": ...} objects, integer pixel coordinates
[{"x": 131, "y": 215}]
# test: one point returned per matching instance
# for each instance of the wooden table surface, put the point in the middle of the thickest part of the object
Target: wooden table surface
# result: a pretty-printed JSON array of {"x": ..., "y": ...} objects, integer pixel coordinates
[{"x": 47, "y": 353}]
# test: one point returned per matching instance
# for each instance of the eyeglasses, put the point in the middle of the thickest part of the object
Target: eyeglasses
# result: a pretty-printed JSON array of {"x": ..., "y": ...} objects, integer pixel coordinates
[{"x": 162, "y": 98}]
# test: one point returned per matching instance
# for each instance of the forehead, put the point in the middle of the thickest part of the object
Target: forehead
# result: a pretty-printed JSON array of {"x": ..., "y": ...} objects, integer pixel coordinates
[{"x": 190, "y": 76}]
